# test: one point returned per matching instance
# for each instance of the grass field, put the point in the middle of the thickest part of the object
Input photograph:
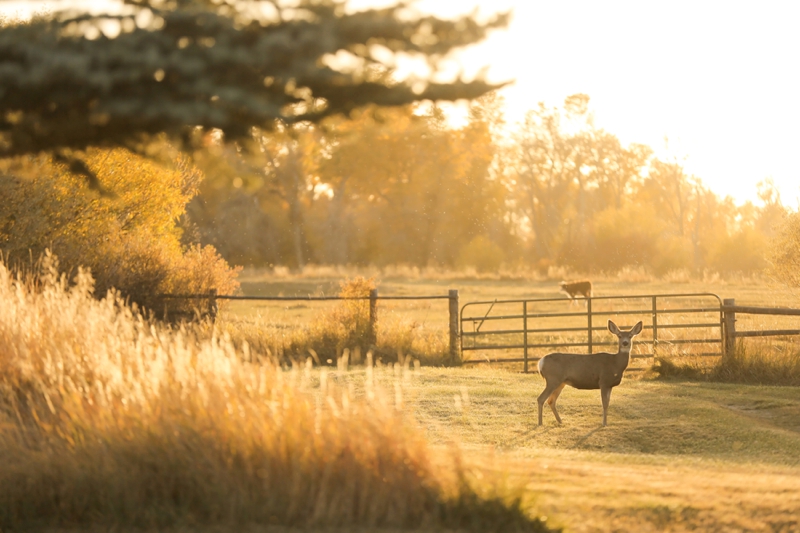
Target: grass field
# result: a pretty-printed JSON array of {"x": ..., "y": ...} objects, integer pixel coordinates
[
  {"x": 108, "y": 421},
  {"x": 675, "y": 456}
]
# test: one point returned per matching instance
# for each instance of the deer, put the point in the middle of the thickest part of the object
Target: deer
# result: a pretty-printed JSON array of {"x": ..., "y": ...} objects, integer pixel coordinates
[
  {"x": 574, "y": 288},
  {"x": 602, "y": 370}
]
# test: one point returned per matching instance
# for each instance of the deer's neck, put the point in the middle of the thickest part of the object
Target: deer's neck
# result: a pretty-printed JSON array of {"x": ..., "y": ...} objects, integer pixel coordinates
[{"x": 623, "y": 358}]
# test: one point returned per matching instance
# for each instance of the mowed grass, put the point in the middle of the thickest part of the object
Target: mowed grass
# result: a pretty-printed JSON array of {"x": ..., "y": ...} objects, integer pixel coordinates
[{"x": 675, "y": 456}]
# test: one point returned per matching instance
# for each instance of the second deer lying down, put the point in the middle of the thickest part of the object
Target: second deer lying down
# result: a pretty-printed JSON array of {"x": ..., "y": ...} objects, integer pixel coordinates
[{"x": 596, "y": 371}]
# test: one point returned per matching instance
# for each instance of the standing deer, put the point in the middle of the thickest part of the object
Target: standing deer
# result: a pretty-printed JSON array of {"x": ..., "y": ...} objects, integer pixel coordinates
[
  {"x": 595, "y": 371},
  {"x": 574, "y": 288}
]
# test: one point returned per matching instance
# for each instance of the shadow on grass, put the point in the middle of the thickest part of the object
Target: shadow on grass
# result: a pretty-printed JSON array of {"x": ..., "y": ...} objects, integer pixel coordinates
[{"x": 584, "y": 438}]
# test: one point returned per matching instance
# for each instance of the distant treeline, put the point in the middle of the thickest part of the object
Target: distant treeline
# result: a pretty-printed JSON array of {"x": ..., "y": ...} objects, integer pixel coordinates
[
  {"x": 385, "y": 187},
  {"x": 398, "y": 185}
]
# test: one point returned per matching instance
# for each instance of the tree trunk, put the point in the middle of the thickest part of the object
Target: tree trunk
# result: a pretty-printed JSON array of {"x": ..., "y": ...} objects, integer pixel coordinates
[
  {"x": 295, "y": 183},
  {"x": 337, "y": 240}
]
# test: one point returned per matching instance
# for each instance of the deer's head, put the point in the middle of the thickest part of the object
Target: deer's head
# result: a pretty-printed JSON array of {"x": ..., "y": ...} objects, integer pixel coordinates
[{"x": 625, "y": 337}]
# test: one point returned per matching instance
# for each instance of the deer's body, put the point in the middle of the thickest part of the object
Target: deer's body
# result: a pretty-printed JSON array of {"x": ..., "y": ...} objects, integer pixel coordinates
[
  {"x": 595, "y": 371},
  {"x": 574, "y": 288}
]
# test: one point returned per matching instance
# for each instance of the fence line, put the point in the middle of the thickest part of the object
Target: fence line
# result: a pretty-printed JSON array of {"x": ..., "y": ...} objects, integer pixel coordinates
[
  {"x": 373, "y": 298},
  {"x": 727, "y": 309},
  {"x": 298, "y": 298}
]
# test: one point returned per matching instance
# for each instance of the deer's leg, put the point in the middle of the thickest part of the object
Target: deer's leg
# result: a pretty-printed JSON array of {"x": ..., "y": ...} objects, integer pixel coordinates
[
  {"x": 605, "y": 395},
  {"x": 548, "y": 390},
  {"x": 552, "y": 400}
]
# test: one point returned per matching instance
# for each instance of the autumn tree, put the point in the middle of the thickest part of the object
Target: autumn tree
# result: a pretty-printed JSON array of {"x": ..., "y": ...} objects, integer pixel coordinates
[
  {"x": 415, "y": 190},
  {"x": 752, "y": 231},
  {"x": 563, "y": 172},
  {"x": 387, "y": 185},
  {"x": 543, "y": 179}
]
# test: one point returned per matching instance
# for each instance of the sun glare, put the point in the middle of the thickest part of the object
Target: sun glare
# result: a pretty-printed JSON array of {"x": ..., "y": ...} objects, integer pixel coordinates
[{"x": 710, "y": 84}]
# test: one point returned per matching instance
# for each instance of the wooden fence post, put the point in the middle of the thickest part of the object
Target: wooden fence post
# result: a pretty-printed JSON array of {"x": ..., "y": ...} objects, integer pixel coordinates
[
  {"x": 453, "y": 301},
  {"x": 655, "y": 326},
  {"x": 589, "y": 322},
  {"x": 372, "y": 333},
  {"x": 525, "y": 335},
  {"x": 212, "y": 305},
  {"x": 729, "y": 322}
]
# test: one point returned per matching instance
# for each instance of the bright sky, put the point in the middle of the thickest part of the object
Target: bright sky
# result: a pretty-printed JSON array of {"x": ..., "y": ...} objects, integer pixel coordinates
[{"x": 719, "y": 79}]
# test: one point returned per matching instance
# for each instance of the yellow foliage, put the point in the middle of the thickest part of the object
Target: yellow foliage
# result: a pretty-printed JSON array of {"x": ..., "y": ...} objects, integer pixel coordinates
[
  {"x": 632, "y": 236},
  {"x": 482, "y": 254},
  {"x": 743, "y": 251},
  {"x": 347, "y": 324},
  {"x": 130, "y": 240},
  {"x": 784, "y": 252}
]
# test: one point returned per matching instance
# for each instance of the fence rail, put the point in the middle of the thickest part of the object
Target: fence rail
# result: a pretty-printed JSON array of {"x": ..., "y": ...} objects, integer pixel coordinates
[
  {"x": 212, "y": 309},
  {"x": 696, "y": 314},
  {"x": 730, "y": 310},
  {"x": 490, "y": 325},
  {"x": 714, "y": 324}
]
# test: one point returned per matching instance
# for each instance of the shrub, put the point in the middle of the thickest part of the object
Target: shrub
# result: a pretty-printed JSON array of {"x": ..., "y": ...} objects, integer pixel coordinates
[
  {"x": 764, "y": 366},
  {"x": 784, "y": 252},
  {"x": 743, "y": 251},
  {"x": 128, "y": 238},
  {"x": 343, "y": 328},
  {"x": 482, "y": 254},
  {"x": 634, "y": 237}
]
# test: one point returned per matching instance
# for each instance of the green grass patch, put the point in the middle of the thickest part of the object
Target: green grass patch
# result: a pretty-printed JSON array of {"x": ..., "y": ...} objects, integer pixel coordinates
[
  {"x": 675, "y": 456},
  {"x": 699, "y": 420}
]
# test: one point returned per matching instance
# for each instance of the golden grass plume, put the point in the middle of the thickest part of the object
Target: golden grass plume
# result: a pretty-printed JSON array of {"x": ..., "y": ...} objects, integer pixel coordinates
[{"x": 109, "y": 420}]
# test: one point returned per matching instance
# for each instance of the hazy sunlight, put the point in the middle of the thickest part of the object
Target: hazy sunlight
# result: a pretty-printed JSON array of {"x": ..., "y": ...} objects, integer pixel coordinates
[{"x": 717, "y": 79}]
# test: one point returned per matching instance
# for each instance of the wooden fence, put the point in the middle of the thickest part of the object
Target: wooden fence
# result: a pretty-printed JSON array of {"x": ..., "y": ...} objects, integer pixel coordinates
[
  {"x": 705, "y": 313},
  {"x": 729, "y": 312},
  {"x": 212, "y": 297}
]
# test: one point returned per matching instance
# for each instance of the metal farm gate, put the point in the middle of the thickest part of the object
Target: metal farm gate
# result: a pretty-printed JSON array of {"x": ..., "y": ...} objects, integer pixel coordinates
[{"x": 674, "y": 324}]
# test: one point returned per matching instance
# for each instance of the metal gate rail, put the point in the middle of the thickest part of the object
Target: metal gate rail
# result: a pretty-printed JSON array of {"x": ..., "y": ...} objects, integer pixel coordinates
[{"x": 477, "y": 340}]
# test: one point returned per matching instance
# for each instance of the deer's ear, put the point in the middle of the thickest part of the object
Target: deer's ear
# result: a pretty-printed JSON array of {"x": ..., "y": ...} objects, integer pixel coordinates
[
  {"x": 613, "y": 328},
  {"x": 637, "y": 328}
]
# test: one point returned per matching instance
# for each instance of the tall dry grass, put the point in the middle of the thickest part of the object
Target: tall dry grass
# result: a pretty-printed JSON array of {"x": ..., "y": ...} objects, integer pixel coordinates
[
  {"x": 764, "y": 362},
  {"x": 107, "y": 420}
]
